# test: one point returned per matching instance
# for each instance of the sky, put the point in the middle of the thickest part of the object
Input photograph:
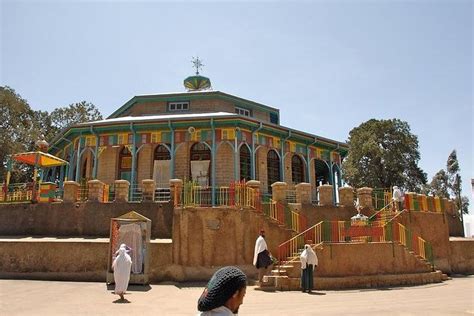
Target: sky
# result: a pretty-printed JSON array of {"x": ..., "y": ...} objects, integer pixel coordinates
[{"x": 327, "y": 65}]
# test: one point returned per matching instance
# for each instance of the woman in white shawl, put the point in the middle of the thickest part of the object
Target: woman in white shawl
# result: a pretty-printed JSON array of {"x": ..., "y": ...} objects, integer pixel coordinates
[
  {"x": 121, "y": 266},
  {"x": 309, "y": 261}
]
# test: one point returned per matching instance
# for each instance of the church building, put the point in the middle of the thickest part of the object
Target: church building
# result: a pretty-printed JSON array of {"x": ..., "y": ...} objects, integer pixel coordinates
[{"x": 210, "y": 137}]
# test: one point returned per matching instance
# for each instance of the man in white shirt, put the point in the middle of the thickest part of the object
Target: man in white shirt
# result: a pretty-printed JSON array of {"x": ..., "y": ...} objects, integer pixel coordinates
[{"x": 261, "y": 257}]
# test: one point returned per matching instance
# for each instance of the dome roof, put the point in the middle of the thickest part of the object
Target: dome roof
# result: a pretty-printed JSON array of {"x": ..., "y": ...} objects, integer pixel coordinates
[{"x": 197, "y": 82}]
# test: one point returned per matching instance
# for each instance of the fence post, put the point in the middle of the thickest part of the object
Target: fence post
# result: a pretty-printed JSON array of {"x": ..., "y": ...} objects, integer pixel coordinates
[
  {"x": 121, "y": 190},
  {"x": 95, "y": 191},
  {"x": 148, "y": 187},
  {"x": 365, "y": 198},
  {"x": 325, "y": 195},
  {"x": 71, "y": 189},
  {"x": 279, "y": 191},
  {"x": 303, "y": 193},
  {"x": 346, "y": 196},
  {"x": 176, "y": 187}
]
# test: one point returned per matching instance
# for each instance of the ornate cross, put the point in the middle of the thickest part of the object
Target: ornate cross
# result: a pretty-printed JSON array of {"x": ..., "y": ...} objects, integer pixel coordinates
[{"x": 197, "y": 64}]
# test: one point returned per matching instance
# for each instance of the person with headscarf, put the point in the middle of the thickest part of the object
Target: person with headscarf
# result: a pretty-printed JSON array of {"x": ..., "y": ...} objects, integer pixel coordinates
[
  {"x": 261, "y": 256},
  {"x": 397, "y": 198},
  {"x": 121, "y": 266},
  {"x": 224, "y": 293},
  {"x": 309, "y": 261}
]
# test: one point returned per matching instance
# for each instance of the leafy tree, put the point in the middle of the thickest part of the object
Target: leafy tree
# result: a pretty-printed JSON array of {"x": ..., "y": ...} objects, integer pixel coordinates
[
  {"x": 383, "y": 153},
  {"x": 439, "y": 184},
  {"x": 24, "y": 126},
  {"x": 454, "y": 182},
  {"x": 18, "y": 130},
  {"x": 81, "y": 112}
]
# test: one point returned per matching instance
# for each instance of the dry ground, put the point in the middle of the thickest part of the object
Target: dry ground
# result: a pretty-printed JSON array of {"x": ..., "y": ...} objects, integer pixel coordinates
[{"x": 23, "y": 297}]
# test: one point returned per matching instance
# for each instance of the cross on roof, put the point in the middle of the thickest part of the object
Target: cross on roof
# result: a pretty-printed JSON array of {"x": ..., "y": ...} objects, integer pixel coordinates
[{"x": 197, "y": 64}]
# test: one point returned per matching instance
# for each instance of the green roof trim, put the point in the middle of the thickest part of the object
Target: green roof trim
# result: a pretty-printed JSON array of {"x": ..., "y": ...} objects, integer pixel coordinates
[{"x": 242, "y": 122}]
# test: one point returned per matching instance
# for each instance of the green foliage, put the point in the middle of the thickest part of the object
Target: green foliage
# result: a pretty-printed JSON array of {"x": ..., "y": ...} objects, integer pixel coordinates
[
  {"x": 22, "y": 127},
  {"x": 439, "y": 184},
  {"x": 18, "y": 129},
  {"x": 81, "y": 112},
  {"x": 383, "y": 153}
]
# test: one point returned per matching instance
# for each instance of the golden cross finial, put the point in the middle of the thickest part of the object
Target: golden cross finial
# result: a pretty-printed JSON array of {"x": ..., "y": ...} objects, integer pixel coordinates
[{"x": 197, "y": 64}]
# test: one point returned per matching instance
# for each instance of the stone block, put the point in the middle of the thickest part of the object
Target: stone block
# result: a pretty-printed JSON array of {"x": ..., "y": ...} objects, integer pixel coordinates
[
  {"x": 121, "y": 190},
  {"x": 365, "y": 198},
  {"x": 325, "y": 194},
  {"x": 303, "y": 193},
  {"x": 148, "y": 189},
  {"x": 95, "y": 191},
  {"x": 346, "y": 196},
  {"x": 279, "y": 191},
  {"x": 71, "y": 189}
]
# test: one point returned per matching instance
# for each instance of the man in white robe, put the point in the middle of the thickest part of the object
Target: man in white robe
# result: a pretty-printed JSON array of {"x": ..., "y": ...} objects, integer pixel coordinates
[
  {"x": 121, "y": 266},
  {"x": 261, "y": 257},
  {"x": 309, "y": 261},
  {"x": 397, "y": 197}
]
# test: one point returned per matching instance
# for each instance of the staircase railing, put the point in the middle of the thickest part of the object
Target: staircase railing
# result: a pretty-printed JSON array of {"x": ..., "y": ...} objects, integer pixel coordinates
[
  {"x": 377, "y": 214},
  {"x": 398, "y": 232},
  {"x": 343, "y": 231}
]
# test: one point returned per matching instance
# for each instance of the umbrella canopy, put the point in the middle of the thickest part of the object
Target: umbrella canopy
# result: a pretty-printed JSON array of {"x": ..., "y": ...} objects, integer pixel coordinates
[{"x": 39, "y": 159}]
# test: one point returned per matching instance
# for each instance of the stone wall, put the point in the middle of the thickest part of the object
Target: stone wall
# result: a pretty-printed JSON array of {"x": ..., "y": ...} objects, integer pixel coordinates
[
  {"x": 210, "y": 237},
  {"x": 108, "y": 165},
  {"x": 224, "y": 165},
  {"x": 461, "y": 256},
  {"x": 337, "y": 260},
  {"x": 316, "y": 214},
  {"x": 85, "y": 219},
  {"x": 145, "y": 163},
  {"x": 433, "y": 227}
]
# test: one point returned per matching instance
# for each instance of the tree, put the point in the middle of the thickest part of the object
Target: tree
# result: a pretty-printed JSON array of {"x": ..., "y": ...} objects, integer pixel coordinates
[
  {"x": 454, "y": 182},
  {"x": 23, "y": 127},
  {"x": 383, "y": 153},
  {"x": 439, "y": 184},
  {"x": 18, "y": 130},
  {"x": 75, "y": 113}
]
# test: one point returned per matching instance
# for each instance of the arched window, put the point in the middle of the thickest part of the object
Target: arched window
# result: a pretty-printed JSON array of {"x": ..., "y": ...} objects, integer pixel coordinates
[
  {"x": 321, "y": 172},
  {"x": 273, "y": 168},
  {"x": 245, "y": 163},
  {"x": 297, "y": 169},
  {"x": 161, "y": 153},
  {"x": 200, "y": 164},
  {"x": 199, "y": 151},
  {"x": 125, "y": 164}
]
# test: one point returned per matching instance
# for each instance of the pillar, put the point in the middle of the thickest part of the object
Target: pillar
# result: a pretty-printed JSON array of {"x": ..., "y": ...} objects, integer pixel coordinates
[
  {"x": 365, "y": 198},
  {"x": 176, "y": 187},
  {"x": 279, "y": 191},
  {"x": 303, "y": 193},
  {"x": 326, "y": 196},
  {"x": 71, "y": 189},
  {"x": 148, "y": 189},
  {"x": 95, "y": 191},
  {"x": 121, "y": 190},
  {"x": 346, "y": 196}
]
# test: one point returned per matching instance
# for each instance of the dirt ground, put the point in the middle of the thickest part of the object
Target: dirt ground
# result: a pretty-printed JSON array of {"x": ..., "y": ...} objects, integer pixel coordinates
[{"x": 24, "y": 297}]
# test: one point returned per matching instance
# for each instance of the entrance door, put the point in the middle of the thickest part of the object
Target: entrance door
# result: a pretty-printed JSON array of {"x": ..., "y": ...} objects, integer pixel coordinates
[{"x": 161, "y": 173}]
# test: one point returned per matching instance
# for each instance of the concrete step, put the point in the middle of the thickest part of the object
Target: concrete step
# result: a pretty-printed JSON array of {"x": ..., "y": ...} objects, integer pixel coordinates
[{"x": 369, "y": 281}]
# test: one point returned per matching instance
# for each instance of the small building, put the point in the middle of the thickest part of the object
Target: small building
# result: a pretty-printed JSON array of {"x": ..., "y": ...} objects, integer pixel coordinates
[{"x": 204, "y": 135}]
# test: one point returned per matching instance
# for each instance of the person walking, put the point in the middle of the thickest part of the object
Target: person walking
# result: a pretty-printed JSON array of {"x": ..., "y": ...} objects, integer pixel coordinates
[
  {"x": 261, "y": 257},
  {"x": 121, "y": 266},
  {"x": 309, "y": 261}
]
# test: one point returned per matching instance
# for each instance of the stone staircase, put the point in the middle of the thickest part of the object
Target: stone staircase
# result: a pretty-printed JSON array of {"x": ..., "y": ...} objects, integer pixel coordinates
[{"x": 286, "y": 277}]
